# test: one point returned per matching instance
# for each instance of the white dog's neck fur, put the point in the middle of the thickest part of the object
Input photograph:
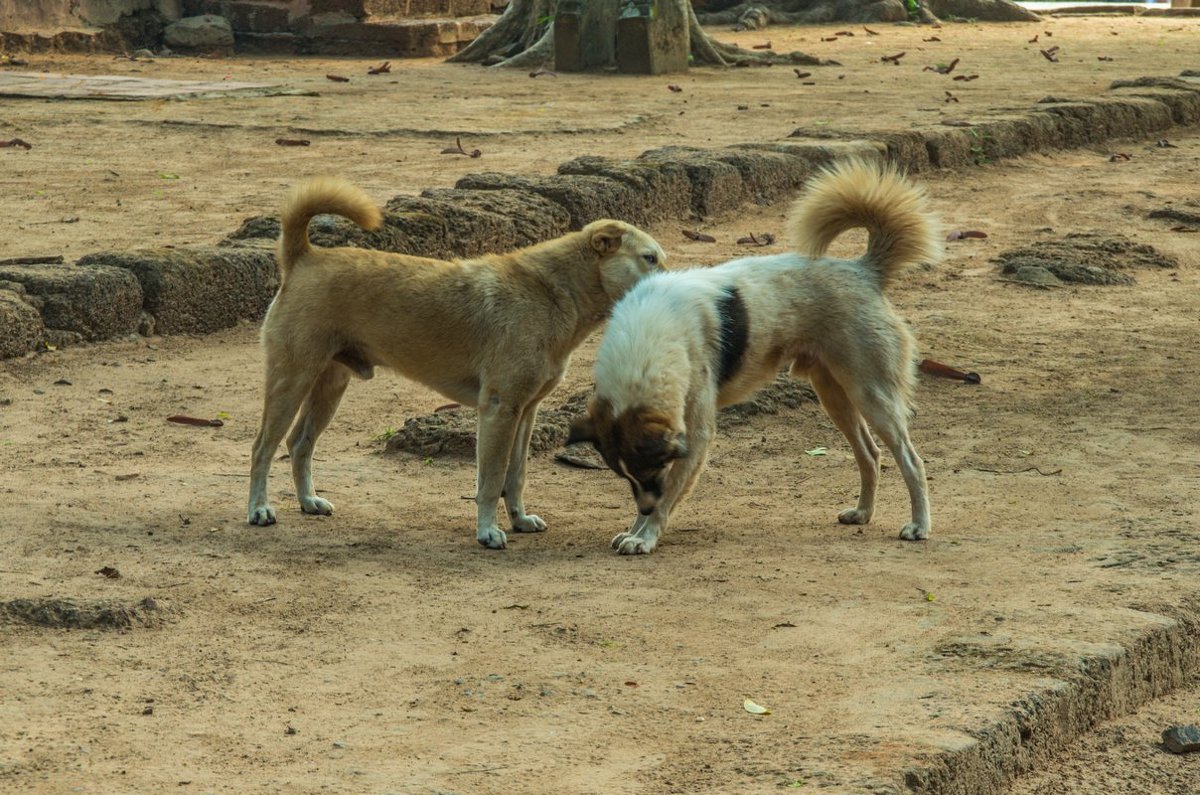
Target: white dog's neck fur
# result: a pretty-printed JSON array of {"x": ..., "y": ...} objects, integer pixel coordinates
[{"x": 643, "y": 359}]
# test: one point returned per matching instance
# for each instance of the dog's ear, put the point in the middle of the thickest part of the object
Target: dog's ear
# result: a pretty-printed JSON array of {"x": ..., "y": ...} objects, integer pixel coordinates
[
  {"x": 661, "y": 443},
  {"x": 607, "y": 238},
  {"x": 583, "y": 429},
  {"x": 677, "y": 447}
]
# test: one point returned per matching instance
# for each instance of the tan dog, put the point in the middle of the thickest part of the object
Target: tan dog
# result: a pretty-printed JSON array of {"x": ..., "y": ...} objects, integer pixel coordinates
[
  {"x": 494, "y": 332},
  {"x": 681, "y": 344}
]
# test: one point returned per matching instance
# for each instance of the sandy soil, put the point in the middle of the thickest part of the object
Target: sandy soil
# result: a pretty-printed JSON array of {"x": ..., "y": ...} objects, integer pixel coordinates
[{"x": 381, "y": 650}]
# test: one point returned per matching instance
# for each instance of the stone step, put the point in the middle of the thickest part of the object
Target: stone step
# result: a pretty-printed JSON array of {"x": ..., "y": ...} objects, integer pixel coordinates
[
  {"x": 427, "y": 9},
  {"x": 88, "y": 40},
  {"x": 398, "y": 38}
]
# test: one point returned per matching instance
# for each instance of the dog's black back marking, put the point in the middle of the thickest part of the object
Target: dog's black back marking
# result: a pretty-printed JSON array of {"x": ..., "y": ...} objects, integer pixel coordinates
[{"x": 733, "y": 335}]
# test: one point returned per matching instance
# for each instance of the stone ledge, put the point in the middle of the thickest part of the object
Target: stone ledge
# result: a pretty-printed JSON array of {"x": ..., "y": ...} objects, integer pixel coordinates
[
  {"x": 21, "y": 328},
  {"x": 194, "y": 290},
  {"x": 93, "y": 303},
  {"x": 1150, "y": 664},
  {"x": 496, "y": 212}
]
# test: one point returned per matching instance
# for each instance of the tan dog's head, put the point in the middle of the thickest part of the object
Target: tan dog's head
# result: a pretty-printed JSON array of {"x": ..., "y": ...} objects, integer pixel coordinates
[
  {"x": 639, "y": 444},
  {"x": 626, "y": 254}
]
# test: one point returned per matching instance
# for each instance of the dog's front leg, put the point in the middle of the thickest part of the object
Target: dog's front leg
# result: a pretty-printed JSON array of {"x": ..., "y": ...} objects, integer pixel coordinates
[
  {"x": 642, "y": 536},
  {"x": 498, "y": 419},
  {"x": 514, "y": 481}
]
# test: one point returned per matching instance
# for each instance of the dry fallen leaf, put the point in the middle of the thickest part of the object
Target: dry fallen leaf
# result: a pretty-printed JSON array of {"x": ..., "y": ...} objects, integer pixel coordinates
[
  {"x": 942, "y": 68},
  {"x": 457, "y": 149},
  {"x": 755, "y": 709},
  {"x": 197, "y": 421}
]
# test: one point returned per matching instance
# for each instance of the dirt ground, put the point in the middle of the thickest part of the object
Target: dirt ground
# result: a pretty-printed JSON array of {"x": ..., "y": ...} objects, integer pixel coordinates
[{"x": 382, "y": 650}]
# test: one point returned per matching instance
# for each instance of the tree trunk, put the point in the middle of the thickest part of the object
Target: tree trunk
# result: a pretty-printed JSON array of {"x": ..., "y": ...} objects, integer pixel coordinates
[{"x": 524, "y": 37}]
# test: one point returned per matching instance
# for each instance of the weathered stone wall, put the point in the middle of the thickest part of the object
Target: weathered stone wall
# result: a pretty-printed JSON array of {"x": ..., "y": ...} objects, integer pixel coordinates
[
  {"x": 201, "y": 289},
  {"x": 388, "y": 28},
  {"x": 23, "y": 15}
]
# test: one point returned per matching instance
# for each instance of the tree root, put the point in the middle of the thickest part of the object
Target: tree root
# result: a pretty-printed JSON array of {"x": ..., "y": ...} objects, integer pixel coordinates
[
  {"x": 522, "y": 38},
  {"x": 520, "y": 28},
  {"x": 706, "y": 50}
]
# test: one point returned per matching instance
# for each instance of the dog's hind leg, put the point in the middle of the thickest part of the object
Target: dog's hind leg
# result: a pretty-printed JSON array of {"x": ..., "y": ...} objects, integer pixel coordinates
[
  {"x": 866, "y": 453},
  {"x": 284, "y": 393},
  {"x": 514, "y": 480},
  {"x": 318, "y": 410},
  {"x": 888, "y": 416},
  {"x": 495, "y": 437}
]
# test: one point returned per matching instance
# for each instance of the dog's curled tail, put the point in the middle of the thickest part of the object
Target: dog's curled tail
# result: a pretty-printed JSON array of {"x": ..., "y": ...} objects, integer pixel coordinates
[
  {"x": 854, "y": 193},
  {"x": 316, "y": 196}
]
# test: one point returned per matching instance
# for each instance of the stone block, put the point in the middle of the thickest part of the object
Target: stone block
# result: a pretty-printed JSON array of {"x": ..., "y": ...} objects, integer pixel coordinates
[
  {"x": 1184, "y": 105},
  {"x": 716, "y": 186},
  {"x": 907, "y": 150},
  {"x": 586, "y": 198},
  {"x": 766, "y": 176},
  {"x": 95, "y": 303},
  {"x": 353, "y": 8},
  {"x": 196, "y": 290},
  {"x": 206, "y": 32},
  {"x": 533, "y": 218},
  {"x": 396, "y": 39},
  {"x": 663, "y": 188},
  {"x": 429, "y": 8},
  {"x": 443, "y": 224},
  {"x": 949, "y": 149},
  {"x": 21, "y": 327},
  {"x": 256, "y": 18}
]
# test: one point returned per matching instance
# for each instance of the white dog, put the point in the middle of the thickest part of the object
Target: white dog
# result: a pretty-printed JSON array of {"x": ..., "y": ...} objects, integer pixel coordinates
[
  {"x": 495, "y": 332},
  {"x": 682, "y": 344}
]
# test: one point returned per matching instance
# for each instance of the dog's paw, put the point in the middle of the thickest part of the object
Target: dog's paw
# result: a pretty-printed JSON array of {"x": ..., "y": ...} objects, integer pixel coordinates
[
  {"x": 630, "y": 544},
  {"x": 492, "y": 538},
  {"x": 854, "y": 516},
  {"x": 529, "y": 524},
  {"x": 262, "y": 515},
  {"x": 316, "y": 505},
  {"x": 914, "y": 532}
]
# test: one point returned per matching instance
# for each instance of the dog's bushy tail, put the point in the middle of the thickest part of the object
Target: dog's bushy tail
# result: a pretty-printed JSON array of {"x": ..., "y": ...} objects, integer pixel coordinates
[
  {"x": 854, "y": 193},
  {"x": 313, "y": 197}
]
